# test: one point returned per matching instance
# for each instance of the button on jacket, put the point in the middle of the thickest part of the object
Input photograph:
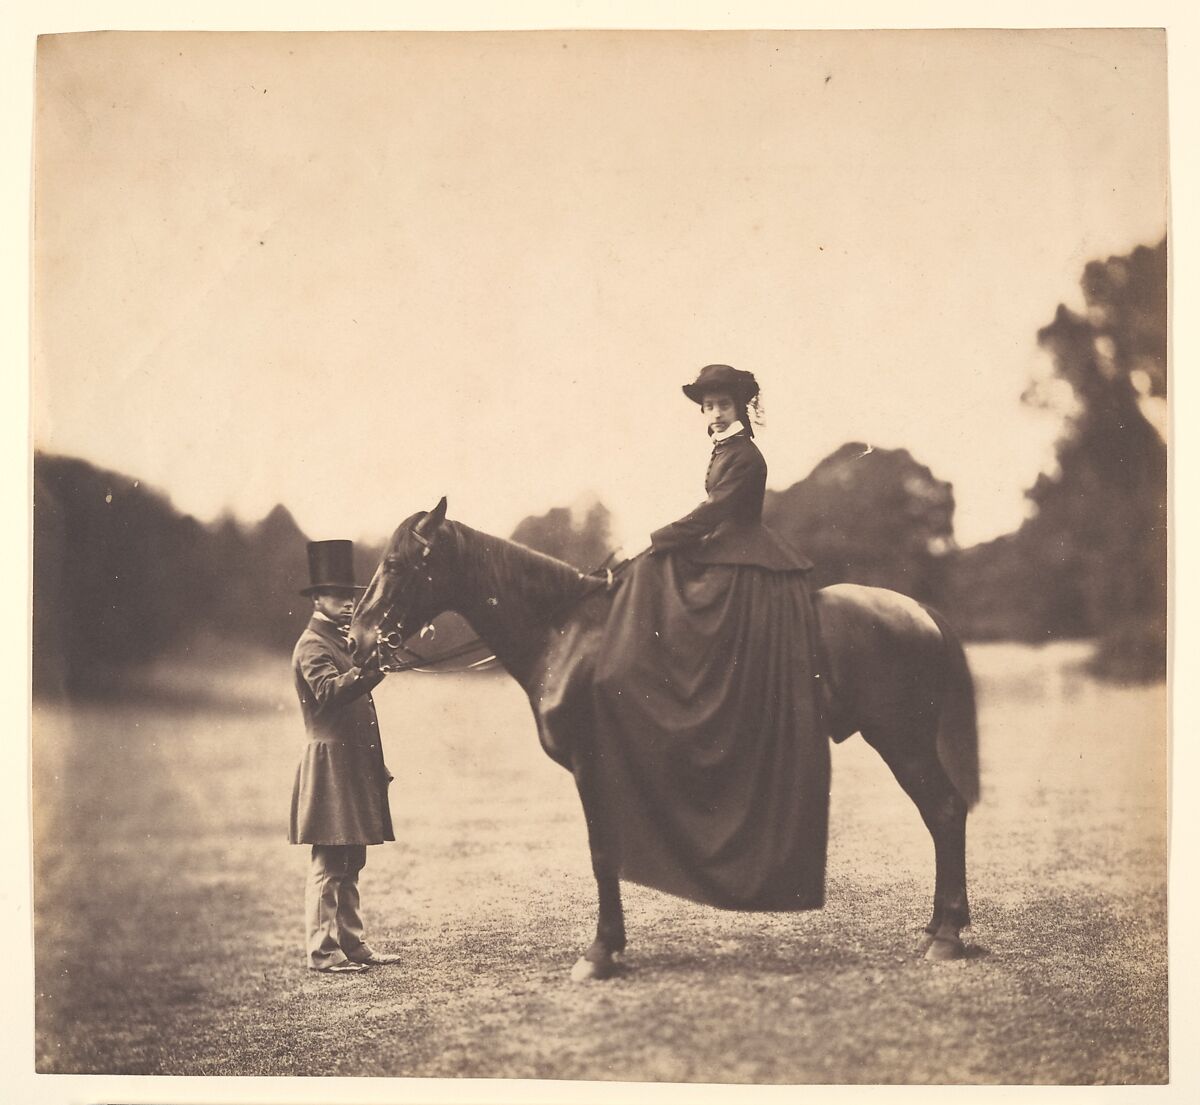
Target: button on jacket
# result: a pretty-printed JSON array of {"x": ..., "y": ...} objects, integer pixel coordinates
[
  {"x": 727, "y": 527},
  {"x": 340, "y": 792}
]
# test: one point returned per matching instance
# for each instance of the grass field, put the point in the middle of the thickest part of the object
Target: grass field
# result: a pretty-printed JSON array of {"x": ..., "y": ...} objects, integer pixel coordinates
[{"x": 168, "y": 922}]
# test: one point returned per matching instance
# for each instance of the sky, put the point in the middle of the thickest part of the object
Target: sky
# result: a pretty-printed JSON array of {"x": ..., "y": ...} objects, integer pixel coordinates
[{"x": 352, "y": 273}]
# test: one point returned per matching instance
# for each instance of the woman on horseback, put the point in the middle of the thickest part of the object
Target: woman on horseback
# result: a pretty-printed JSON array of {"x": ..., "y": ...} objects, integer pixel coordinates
[
  {"x": 727, "y": 527},
  {"x": 707, "y": 717}
]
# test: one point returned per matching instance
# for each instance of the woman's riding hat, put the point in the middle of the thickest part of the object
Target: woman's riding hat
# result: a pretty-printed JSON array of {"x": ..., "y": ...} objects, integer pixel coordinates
[
  {"x": 331, "y": 567},
  {"x": 742, "y": 386}
]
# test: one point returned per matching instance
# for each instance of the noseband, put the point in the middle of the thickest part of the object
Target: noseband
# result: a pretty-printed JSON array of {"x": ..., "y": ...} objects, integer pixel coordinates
[{"x": 392, "y": 640}]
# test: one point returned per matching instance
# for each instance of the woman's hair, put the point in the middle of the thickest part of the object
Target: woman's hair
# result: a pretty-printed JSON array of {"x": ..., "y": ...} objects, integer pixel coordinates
[{"x": 750, "y": 414}]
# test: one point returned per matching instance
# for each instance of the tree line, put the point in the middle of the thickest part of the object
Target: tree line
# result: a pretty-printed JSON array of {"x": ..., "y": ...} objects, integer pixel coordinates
[{"x": 120, "y": 576}]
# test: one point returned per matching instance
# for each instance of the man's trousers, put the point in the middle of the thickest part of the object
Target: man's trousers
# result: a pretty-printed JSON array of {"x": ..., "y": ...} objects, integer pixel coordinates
[{"x": 335, "y": 927}]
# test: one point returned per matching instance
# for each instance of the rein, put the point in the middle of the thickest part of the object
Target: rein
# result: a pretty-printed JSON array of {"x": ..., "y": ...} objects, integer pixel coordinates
[
  {"x": 418, "y": 661},
  {"x": 393, "y": 642}
]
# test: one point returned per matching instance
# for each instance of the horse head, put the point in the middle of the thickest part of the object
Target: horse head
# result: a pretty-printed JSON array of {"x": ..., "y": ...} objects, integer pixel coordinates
[{"x": 400, "y": 598}]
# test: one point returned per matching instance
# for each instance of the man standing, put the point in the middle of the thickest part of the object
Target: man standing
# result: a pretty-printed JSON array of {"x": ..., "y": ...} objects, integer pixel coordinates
[{"x": 339, "y": 801}]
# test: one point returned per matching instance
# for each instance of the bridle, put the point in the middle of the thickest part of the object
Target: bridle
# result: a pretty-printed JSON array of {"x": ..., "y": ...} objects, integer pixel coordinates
[{"x": 391, "y": 640}]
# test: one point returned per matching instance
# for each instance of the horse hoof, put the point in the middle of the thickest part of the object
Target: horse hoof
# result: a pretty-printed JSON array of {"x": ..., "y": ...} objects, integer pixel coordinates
[
  {"x": 587, "y": 971},
  {"x": 943, "y": 949}
]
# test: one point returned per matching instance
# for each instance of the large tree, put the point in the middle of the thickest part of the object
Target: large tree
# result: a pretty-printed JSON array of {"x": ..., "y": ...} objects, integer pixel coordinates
[
  {"x": 1100, "y": 527},
  {"x": 1091, "y": 559}
]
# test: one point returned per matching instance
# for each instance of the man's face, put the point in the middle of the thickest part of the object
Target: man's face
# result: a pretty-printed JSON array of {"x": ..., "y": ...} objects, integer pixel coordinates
[{"x": 337, "y": 604}]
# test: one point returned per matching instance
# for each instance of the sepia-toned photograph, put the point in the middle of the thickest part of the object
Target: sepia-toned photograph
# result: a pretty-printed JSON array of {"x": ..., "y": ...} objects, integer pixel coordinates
[{"x": 601, "y": 556}]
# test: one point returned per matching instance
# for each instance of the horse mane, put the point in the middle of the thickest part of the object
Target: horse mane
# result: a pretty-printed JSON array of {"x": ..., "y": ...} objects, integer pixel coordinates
[{"x": 489, "y": 564}]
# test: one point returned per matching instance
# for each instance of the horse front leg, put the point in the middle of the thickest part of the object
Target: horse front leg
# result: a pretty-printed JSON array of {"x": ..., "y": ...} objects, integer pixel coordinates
[{"x": 601, "y": 960}]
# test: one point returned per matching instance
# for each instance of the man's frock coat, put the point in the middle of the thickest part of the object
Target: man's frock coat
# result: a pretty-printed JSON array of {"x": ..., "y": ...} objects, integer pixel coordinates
[{"x": 340, "y": 793}]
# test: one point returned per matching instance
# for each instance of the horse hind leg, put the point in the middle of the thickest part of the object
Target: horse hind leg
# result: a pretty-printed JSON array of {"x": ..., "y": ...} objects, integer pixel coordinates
[
  {"x": 944, "y": 812},
  {"x": 951, "y": 911}
]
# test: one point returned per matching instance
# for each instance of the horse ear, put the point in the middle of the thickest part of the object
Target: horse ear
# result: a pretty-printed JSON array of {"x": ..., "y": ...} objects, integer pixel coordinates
[{"x": 433, "y": 519}]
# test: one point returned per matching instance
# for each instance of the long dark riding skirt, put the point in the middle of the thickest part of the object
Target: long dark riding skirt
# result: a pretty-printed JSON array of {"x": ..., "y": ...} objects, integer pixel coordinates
[{"x": 712, "y": 763}]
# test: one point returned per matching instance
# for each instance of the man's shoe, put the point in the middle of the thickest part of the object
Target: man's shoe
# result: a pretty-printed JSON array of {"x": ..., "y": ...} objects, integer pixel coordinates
[
  {"x": 346, "y": 967},
  {"x": 371, "y": 958}
]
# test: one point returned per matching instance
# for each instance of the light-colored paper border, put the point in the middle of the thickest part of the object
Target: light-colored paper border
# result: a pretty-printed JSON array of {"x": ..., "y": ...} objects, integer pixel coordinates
[{"x": 20, "y": 30}]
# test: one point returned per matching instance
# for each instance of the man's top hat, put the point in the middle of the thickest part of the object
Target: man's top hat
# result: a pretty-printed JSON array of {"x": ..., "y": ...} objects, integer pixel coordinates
[{"x": 331, "y": 567}]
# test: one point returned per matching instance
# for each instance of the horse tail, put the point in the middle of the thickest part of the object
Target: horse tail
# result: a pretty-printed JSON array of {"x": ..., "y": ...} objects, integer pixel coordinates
[{"x": 958, "y": 731}]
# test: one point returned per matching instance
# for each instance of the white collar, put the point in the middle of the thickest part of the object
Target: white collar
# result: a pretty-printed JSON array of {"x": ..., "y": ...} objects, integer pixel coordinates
[
  {"x": 729, "y": 431},
  {"x": 327, "y": 618}
]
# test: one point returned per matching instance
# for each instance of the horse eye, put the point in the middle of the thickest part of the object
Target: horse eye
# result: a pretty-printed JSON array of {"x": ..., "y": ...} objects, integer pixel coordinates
[{"x": 392, "y": 563}]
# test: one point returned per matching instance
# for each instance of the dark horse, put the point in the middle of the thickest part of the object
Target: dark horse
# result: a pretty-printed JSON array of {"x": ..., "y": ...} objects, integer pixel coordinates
[{"x": 895, "y": 673}]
